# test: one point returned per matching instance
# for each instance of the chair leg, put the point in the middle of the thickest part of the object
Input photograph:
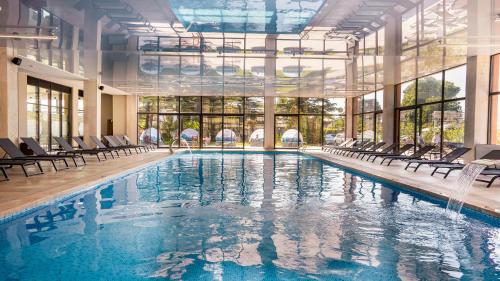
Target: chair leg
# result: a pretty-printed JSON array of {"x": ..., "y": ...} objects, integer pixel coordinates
[
  {"x": 98, "y": 158},
  {"x": 390, "y": 161},
  {"x": 383, "y": 160},
  {"x": 4, "y": 173},
  {"x": 447, "y": 173},
  {"x": 434, "y": 171},
  {"x": 492, "y": 180},
  {"x": 418, "y": 166},
  {"x": 54, "y": 165},
  {"x": 24, "y": 170},
  {"x": 408, "y": 165}
]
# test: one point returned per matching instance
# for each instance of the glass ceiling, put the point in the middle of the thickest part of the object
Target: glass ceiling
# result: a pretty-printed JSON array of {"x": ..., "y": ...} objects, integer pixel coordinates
[{"x": 246, "y": 16}]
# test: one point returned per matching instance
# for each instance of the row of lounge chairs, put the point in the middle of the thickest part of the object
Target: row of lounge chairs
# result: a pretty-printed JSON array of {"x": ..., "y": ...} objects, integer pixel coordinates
[
  {"x": 393, "y": 152},
  {"x": 16, "y": 157}
]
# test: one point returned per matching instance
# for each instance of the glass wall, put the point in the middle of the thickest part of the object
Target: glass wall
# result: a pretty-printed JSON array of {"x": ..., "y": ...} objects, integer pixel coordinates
[
  {"x": 215, "y": 121},
  {"x": 434, "y": 37},
  {"x": 308, "y": 121},
  {"x": 48, "y": 112},
  {"x": 57, "y": 53},
  {"x": 211, "y": 68},
  {"x": 367, "y": 122},
  {"x": 431, "y": 110}
]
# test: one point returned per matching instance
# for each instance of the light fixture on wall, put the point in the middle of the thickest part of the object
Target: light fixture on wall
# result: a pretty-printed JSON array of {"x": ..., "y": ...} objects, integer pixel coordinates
[
  {"x": 101, "y": 88},
  {"x": 17, "y": 61}
]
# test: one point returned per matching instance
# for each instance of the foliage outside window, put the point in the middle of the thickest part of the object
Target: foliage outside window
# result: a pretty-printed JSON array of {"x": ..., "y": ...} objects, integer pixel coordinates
[
  {"x": 367, "y": 121},
  {"x": 309, "y": 121},
  {"x": 431, "y": 110}
]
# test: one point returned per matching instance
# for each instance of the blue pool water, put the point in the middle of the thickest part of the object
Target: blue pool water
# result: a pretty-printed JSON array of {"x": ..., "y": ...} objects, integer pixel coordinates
[{"x": 248, "y": 216}]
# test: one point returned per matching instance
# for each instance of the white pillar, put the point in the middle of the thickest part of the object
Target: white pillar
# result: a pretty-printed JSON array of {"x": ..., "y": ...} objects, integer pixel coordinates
[
  {"x": 92, "y": 65},
  {"x": 269, "y": 92},
  {"x": 392, "y": 75}
]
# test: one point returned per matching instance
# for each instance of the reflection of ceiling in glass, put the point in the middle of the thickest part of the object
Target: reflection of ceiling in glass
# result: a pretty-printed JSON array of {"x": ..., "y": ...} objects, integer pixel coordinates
[{"x": 246, "y": 16}]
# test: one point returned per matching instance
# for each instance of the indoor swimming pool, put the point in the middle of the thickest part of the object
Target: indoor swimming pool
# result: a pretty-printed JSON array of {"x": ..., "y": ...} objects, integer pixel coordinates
[{"x": 248, "y": 216}]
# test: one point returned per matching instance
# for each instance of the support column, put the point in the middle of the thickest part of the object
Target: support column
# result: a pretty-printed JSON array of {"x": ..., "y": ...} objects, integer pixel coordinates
[
  {"x": 269, "y": 92},
  {"x": 9, "y": 100},
  {"x": 348, "y": 117},
  {"x": 22, "y": 111},
  {"x": 392, "y": 75},
  {"x": 131, "y": 117},
  {"x": 480, "y": 27},
  {"x": 92, "y": 65}
]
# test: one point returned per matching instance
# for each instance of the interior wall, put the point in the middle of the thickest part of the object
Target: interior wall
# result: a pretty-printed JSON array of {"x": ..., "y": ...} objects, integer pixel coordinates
[
  {"x": 119, "y": 115},
  {"x": 106, "y": 113}
]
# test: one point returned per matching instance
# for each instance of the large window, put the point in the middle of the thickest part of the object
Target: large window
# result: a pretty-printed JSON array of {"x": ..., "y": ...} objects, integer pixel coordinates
[
  {"x": 434, "y": 37},
  {"x": 299, "y": 65},
  {"x": 216, "y": 121},
  {"x": 58, "y": 52},
  {"x": 308, "y": 121},
  {"x": 431, "y": 110},
  {"x": 367, "y": 122},
  {"x": 49, "y": 109}
]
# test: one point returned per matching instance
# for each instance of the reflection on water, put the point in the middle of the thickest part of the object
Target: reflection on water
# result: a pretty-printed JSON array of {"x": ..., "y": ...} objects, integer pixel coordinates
[{"x": 259, "y": 216}]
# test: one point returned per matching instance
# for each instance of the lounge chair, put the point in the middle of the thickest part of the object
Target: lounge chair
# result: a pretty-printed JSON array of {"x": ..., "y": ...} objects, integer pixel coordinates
[
  {"x": 9, "y": 163},
  {"x": 381, "y": 149},
  {"x": 372, "y": 148},
  {"x": 85, "y": 146},
  {"x": 330, "y": 147},
  {"x": 363, "y": 146},
  {"x": 39, "y": 151},
  {"x": 101, "y": 145},
  {"x": 112, "y": 142},
  {"x": 126, "y": 141},
  {"x": 395, "y": 152},
  {"x": 447, "y": 159},
  {"x": 123, "y": 143},
  {"x": 14, "y": 153},
  {"x": 450, "y": 167},
  {"x": 355, "y": 144},
  {"x": 415, "y": 156},
  {"x": 68, "y": 149},
  {"x": 333, "y": 148}
]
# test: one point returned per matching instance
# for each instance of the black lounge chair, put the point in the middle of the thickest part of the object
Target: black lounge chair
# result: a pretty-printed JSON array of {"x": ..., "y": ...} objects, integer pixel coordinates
[
  {"x": 395, "y": 152},
  {"x": 380, "y": 149},
  {"x": 126, "y": 141},
  {"x": 112, "y": 142},
  {"x": 68, "y": 149},
  {"x": 415, "y": 156},
  {"x": 372, "y": 148},
  {"x": 362, "y": 147},
  {"x": 14, "y": 153},
  {"x": 447, "y": 159},
  {"x": 355, "y": 144},
  {"x": 9, "y": 163},
  {"x": 85, "y": 146},
  {"x": 329, "y": 148},
  {"x": 450, "y": 167},
  {"x": 101, "y": 145},
  {"x": 39, "y": 151},
  {"x": 118, "y": 140}
]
